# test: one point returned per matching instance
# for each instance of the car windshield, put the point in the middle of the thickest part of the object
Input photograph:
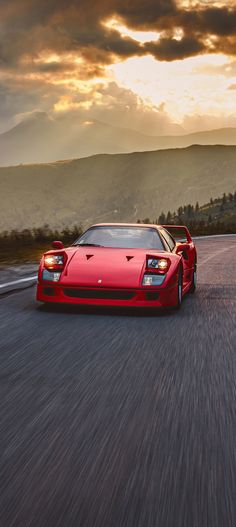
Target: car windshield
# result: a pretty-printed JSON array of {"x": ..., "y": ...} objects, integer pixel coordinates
[{"x": 122, "y": 237}]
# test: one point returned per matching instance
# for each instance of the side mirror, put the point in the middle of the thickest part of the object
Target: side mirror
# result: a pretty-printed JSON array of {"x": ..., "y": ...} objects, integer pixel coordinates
[
  {"x": 57, "y": 245},
  {"x": 183, "y": 248}
]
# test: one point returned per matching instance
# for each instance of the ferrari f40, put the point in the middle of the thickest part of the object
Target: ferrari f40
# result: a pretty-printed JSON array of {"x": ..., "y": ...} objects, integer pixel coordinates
[{"x": 121, "y": 264}]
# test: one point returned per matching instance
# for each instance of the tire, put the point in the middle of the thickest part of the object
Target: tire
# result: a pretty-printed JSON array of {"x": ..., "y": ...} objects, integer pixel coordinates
[
  {"x": 193, "y": 285},
  {"x": 180, "y": 290}
]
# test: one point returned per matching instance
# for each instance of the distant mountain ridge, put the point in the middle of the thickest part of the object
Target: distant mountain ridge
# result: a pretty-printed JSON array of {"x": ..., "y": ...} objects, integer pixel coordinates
[
  {"x": 41, "y": 139},
  {"x": 118, "y": 187}
]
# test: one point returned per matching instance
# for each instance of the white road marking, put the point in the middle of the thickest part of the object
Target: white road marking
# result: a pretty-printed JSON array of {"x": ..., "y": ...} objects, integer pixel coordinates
[{"x": 21, "y": 281}]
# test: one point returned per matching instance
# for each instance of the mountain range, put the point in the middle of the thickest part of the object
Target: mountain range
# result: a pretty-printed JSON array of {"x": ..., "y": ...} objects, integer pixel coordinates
[
  {"x": 117, "y": 187},
  {"x": 42, "y": 139}
]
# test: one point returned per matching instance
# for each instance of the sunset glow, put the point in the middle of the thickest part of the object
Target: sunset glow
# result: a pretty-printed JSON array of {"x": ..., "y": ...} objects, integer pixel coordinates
[
  {"x": 185, "y": 87},
  {"x": 172, "y": 62}
]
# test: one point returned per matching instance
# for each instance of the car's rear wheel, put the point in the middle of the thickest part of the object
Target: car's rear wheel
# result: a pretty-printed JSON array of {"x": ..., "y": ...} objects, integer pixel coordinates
[{"x": 193, "y": 285}]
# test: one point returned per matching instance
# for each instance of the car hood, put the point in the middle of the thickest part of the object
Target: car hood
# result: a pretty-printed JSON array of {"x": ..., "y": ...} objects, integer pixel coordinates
[{"x": 106, "y": 267}]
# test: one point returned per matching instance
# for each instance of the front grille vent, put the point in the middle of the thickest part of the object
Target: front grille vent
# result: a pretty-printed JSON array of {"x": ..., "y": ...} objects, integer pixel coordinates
[{"x": 99, "y": 293}]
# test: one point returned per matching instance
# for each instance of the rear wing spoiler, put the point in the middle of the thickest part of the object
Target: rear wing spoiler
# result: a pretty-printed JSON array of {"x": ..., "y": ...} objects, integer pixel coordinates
[{"x": 180, "y": 233}]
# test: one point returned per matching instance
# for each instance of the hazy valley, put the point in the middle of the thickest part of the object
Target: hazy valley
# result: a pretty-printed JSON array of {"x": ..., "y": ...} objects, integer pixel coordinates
[
  {"x": 41, "y": 139},
  {"x": 119, "y": 187}
]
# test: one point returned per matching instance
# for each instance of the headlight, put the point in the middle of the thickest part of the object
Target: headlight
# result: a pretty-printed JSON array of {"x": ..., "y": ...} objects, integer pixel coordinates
[
  {"x": 162, "y": 265},
  {"x": 153, "y": 279},
  {"x": 154, "y": 263},
  {"x": 54, "y": 261},
  {"x": 157, "y": 265}
]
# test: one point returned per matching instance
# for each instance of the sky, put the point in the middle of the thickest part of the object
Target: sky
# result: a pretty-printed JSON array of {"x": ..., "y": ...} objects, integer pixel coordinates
[{"x": 157, "y": 66}]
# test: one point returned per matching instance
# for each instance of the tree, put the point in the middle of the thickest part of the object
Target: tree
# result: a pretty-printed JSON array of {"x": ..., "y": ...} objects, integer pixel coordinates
[
  {"x": 168, "y": 217},
  {"x": 190, "y": 210},
  {"x": 180, "y": 212},
  {"x": 162, "y": 219}
]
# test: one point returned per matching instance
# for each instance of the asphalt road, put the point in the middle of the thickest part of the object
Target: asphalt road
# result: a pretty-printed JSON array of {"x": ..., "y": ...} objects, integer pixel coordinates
[{"x": 115, "y": 419}]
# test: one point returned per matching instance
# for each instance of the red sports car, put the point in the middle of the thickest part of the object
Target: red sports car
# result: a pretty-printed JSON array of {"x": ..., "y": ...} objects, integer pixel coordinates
[{"x": 121, "y": 264}]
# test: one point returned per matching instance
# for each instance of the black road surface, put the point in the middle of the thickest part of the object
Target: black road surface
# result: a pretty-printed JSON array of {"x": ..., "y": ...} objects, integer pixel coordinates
[{"x": 122, "y": 419}]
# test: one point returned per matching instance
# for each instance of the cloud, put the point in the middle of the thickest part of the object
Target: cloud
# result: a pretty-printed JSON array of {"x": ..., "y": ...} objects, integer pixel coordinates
[
  {"x": 227, "y": 68},
  {"x": 77, "y": 27},
  {"x": 146, "y": 14},
  {"x": 120, "y": 106},
  {"x": 50, "y": 49},
  {"x": 171, "y": 49},
  {"x": 216, "y": 21},
  {"x": 20, "y": 96}
]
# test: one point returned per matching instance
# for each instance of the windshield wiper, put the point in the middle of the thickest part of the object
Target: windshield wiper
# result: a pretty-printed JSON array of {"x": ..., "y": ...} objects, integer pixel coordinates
[{"x": 89, "y": 245}]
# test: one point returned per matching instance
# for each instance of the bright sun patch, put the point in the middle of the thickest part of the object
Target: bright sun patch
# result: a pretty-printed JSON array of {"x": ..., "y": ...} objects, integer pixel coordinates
[
  {"x": 139, "y": 36},
  {"x": 194, "y": 4},
  {"x": 185, "y": 87}
]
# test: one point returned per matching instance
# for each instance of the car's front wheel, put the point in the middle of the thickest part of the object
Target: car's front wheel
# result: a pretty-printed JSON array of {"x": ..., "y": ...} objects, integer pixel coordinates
[
  {"x": 193, "y": 285},
  {"x": 179, "y": 290}
]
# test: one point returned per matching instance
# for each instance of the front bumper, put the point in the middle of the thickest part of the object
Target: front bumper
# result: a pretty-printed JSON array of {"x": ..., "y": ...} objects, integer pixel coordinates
[{"x": 140, "y": 297}]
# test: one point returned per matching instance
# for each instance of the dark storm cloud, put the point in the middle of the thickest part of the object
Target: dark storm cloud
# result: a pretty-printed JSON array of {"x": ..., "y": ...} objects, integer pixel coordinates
[
  {"x": 69, "y": 30},
  {"x": 147, "y": 13},
  {"x": 217, "y": 21},
  {"x": 171, "y": 49},
  {"x": 30, "y": 26},
  {"x": 32, "y": 30},
  {"x": 152, "y": 15}
]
